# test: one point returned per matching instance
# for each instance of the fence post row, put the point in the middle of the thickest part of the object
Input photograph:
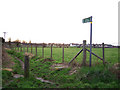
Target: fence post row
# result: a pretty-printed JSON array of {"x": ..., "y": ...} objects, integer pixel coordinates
[
  {"x": 84, "y": 53},
  {"x": 26, "y": 67},
  {"x": 63, "y": 53}
]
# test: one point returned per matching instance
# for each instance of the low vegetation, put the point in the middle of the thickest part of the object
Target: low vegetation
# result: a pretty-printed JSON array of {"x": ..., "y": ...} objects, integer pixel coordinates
[{"x": 98, "y": 76}]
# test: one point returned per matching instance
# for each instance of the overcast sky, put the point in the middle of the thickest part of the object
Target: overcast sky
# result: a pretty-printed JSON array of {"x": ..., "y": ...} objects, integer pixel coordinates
[{"x": 59, "y": 21}]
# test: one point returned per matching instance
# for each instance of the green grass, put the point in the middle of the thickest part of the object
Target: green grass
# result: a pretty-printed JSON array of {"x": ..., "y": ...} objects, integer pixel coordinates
[
  {"x": 95, "y": 77},
  {"x": 111, "y": 54}
]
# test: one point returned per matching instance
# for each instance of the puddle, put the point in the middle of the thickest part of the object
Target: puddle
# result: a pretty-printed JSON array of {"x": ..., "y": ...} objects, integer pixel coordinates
[
  {"x": 42, "y": 80},
  {"x": 17, "y": 76}
]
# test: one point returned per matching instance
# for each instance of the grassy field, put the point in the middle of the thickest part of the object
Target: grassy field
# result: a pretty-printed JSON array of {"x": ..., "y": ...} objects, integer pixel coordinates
[
  {"x": 97, "y": 76},
  {"x": 111, "y": 54}
]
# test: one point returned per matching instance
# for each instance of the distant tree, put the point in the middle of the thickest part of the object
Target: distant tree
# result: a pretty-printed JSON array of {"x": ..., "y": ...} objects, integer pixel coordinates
[
  {"x": 44, "y": 44},
  {"x": 24, "y": 41},
  {"x": 30, "y": 41},
  {"x": 9, "y": 40},
  {"x": 17, "y": 42}
]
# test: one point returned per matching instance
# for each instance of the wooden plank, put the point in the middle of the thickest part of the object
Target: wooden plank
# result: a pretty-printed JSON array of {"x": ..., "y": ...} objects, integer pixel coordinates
[
  {"x": 95, "y": 55},
  {"x": 76, "y": 56}
]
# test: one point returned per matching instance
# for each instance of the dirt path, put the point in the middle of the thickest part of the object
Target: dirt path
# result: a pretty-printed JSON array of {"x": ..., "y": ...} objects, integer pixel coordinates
[{"x": 7, "y": 61}]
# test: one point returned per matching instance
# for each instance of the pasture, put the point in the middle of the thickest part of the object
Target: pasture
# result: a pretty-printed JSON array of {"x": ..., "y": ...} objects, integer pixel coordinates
[{"x": 111, "y": 54}]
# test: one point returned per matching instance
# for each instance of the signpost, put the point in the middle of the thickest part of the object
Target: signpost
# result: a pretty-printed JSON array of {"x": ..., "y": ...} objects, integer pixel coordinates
[{"x": 89, "y": 19}]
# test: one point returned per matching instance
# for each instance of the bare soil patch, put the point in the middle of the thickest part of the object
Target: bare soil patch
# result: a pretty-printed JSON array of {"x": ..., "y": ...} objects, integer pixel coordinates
[{"x": 6, "y": 59}]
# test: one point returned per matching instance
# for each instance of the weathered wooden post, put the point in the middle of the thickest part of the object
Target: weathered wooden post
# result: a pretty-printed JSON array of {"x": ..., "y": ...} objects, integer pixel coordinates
[
  {"x": 15, "y": 47},
  {"x": 18, "y": 48},
  {"x": 63, "y": 53},
  {"x": 43, "y": 50},
  {"x": 36, "y": 50},
  {"x": 103, "y": 53},
  {"x": 84, "y": 53},
  {"x": 1, "y": 62},
  {"x": 21, "y": 48},
  {"x": 9, "y": 43},
  {"x": 31, "y": 48},
  {"x": 1, "y": 52},
  {"x": 24, "y": 48},
  {"x": 26, "y": 66},
  {"x": 27, "y": 48},
  {"x": 51, "y": 51}
]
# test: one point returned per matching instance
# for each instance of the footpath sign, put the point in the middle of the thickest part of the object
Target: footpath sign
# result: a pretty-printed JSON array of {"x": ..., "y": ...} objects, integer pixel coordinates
[{"x": 89, "y": 19}]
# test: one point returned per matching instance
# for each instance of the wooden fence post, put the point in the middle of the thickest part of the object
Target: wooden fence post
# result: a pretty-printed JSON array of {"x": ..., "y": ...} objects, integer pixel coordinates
[
  {"x": 24, "y": 48},
  {"x": 103, "y": 53},
  {"x": 15, "y": 47},
  {"x": 31, "y": 48},
  {"x": 51, "y": 50},
  {"x": 36, "y": 50},
  {"x": 84, "y": 53},
  {"x": 1, "y": 43},
  {"x": 21, "y": 49},
  {"x": 9, "y": 44},
  {"x": 18, "y": 48},
  {"x": 27, "y": 48},
  {"x": 26, "y": 67},
  {"x": 63, "y": 54},
  {"x": 43, "y": 50}
]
